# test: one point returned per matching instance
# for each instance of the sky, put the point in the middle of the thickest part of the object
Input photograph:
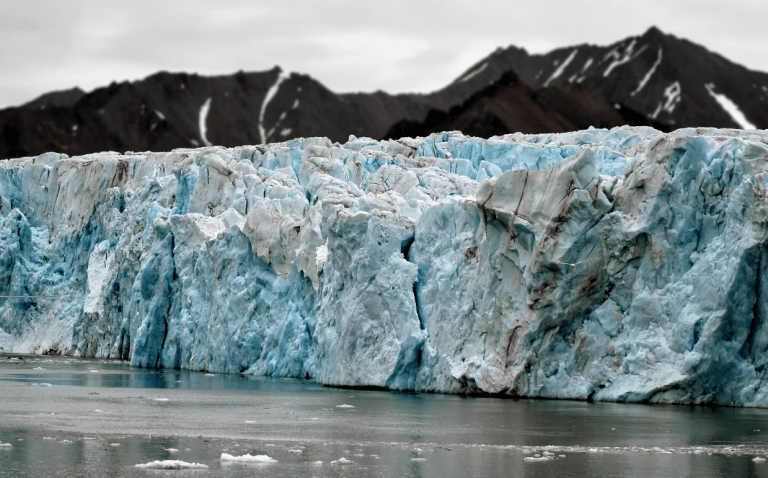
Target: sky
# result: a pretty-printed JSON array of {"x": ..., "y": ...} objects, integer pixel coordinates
[{"x": 393, "y": 45}]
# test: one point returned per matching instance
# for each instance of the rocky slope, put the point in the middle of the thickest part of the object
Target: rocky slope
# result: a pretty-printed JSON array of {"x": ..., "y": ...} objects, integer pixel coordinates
[{"x": 621, "y": 264}]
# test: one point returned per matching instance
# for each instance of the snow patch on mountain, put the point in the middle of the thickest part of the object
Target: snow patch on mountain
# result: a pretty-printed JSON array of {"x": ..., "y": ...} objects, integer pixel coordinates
[
  {"x": 648, "y": 75},
  {"x": 730, "y": 107},
  {"x": 473, "y": 73},
  {"x": 620, "y": 59},
  {"x": 559, "y": 71},
  {"x": 267, "y": 98},
  {"x": 202, "y": 121}
]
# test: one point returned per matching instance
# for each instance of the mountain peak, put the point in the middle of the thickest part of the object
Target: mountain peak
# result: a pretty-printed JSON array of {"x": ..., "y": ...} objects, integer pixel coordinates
[{"x": 654, "y": 31}]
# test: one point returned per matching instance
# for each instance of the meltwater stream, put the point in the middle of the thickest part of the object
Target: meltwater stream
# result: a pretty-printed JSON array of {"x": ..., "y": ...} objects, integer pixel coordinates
[{"x": 69, "y": 417}]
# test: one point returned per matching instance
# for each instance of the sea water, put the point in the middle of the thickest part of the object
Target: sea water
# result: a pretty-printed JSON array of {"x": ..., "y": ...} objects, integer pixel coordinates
[{"x": 70, "y": 417}]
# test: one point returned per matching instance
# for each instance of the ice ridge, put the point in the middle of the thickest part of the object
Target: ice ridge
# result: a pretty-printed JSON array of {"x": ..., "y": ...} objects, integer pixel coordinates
[{"x": 617, "y": 265}]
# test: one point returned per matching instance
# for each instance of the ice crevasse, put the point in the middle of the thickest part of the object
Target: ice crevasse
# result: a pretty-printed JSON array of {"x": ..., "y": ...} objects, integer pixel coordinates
[{"x": 614, "y": 265}]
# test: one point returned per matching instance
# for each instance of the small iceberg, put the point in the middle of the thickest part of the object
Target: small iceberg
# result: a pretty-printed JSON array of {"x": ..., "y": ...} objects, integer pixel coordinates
[
  {"x": 756, "y": 459},
  {"x": 536, "y": 458},
  {"x": 172, "y": 465},
  {"x": 247, "y": 458},
  {"x": 6, "y": 445},
  {"x": 342, "y": 461},
  {"x": 345, "y": 406}
]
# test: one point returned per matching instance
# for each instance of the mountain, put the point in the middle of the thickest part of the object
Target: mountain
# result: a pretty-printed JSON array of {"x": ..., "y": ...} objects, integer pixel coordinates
[
  {"x": 653, "y": 79},
  {"x": 606, "y": 265},
  {"x": 664, "y": 78},
  {"x": 508, "y": 105}
]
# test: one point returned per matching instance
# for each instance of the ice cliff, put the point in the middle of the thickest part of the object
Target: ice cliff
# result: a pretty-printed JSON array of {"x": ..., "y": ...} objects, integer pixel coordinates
[{"x": 620, "y": 265}]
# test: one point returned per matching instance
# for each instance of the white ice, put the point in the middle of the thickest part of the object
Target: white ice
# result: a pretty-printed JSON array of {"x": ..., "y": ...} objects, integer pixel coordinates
[
  {"x": 172, "y": 465},
  {"x": 247, "y": 458}
]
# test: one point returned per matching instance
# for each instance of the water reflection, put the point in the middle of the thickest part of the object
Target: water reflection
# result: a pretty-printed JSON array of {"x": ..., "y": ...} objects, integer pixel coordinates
[{"x": 384, "y": 433}]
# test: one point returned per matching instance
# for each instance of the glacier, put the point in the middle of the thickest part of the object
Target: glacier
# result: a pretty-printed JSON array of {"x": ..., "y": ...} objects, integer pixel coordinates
[{"x": 608, "y": 265}]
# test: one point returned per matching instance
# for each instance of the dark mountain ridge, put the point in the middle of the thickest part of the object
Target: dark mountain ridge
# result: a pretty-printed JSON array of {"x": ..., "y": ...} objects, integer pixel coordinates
[{"x": 654, "y": 79}]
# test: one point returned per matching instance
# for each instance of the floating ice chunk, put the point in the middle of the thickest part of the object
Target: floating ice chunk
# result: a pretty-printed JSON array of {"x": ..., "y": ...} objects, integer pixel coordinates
[
  {"x": 172, "y": 465},
  {"x": 114, "y": 444},
  {"x": 345, "y": 406},
  {"x": 249, "y": 421},
  {"x": 247, "y": 458},
  {"x": 295, "y": 451},
  {"x": 96, "y": 411},
  {"x": 342, "y": 461},
  {"x": 38, "y": 368},
  {"x": 314, "y": 418},
  {"x": 210, "y": 374},
  {"x": 171, "y": 450},
  {"x": 418, "y": 459},
  {"x": 318, "y": 462},
  {"x": 93, "y": 371},
  {"x": 43, "y": 384},
  {"x": 6, "y": 445},
  {"x": 758, "y": 459},
  {"x": 161, "y": 399},
  {"x": 537, "y": 457}
]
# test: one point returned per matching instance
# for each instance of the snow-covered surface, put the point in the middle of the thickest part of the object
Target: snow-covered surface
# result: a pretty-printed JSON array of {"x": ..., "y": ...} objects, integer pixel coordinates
[
  {"x": 247, "y": 458},
  {"x": 202, "y": 120},
  {"x": 621, "y": 58},
  {"x": 671, "y": 99},
  {"x": 172, "y": 465},
  {"x": 267, "y": 98},
  {"x": 730, "y": 107},
  {"x": 473, "y": 73},
  {"x": 649, "y": 74},
  {"x": 559, "y": 71},
  {"x": 621, "y": 265}
]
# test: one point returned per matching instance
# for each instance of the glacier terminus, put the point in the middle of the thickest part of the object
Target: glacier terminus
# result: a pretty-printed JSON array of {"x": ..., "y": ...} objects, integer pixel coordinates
[{"x": 609, "y": 265}]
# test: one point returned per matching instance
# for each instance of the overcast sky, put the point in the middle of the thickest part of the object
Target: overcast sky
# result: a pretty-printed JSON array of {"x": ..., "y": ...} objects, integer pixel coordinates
[{"x": 391, "y": 45}]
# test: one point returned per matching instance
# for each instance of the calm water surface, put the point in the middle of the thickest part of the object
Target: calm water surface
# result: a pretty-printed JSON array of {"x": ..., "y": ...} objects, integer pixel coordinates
[{"x": 70, "y": 418}]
